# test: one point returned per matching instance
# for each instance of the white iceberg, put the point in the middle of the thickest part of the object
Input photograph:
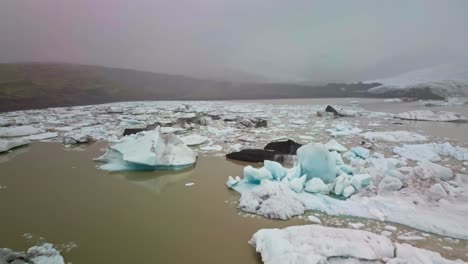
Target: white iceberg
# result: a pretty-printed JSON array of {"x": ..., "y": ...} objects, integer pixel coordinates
[
  {"x": 8, "y": 144},
  {"x": 193, "y": 140},
  {"x": 394, "y": 136},
  {"x": 19, "y": 131},
  {"x": 149, "y": 150},
  {"x": 316, "y": 244},
  {"x": 428, "y": 115}
]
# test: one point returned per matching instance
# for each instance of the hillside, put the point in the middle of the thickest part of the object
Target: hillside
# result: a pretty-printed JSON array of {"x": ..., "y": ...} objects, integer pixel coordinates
[
  {"x": 443, "y": 80},
  {"x": 39, "y": 85}
]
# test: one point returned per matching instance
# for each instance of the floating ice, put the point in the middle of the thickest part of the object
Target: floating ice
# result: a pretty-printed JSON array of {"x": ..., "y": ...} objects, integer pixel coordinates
[
  {"x": 344, "y": 129},
  {"x": 19, "y": 131},
  {"x": 316, "y": 185},
  {"x": 254, "y": 175},
  {"x": 231, "y": 182},
  {"x": 333, "y": 145},
  {"x": 315, "y": 160},
  {"x": 8, "y": 144},
  {"x": 426, "y": 170},
  {"x": 43, "y": 136},
  {"x": 297, "y": 184},
  {"x": 431, "y": 151},
  {"x": 428, "y": 115},
  {"x": 390, "y": 184},
  {"x": 148, "y": 150},
  {"x": 45, "y": 254},
  {"x": 316, "y": 244},
  {"x": 193, "y": 140},
  {"x": 359, "y": 181},
  {"x": 393, "y": 136},
  {"x": 276, "y": 169}
]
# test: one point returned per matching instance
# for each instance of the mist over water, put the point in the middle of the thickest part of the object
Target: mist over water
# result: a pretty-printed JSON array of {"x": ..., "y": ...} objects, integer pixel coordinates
[{"x": 294, "y": 41}]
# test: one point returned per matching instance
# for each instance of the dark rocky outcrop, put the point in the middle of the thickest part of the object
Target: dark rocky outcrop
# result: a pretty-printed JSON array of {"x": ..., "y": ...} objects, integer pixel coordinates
[
  {"x": 243, "y": 122},
  {"x": 198, "y": 119},
  {"x": 288, "y": 147},
  {"x": 255, "y": 155},
  {"x": 278, "y": 151},
  {"x": 131, "y": 131}
]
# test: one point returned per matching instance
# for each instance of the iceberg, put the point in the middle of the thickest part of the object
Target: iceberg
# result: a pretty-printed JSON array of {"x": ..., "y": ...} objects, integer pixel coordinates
[
  {"x": 8, "y": 144},
  {"x": 149, "y": 150},
  {"x": 394, "y": 136},
  {"x": 316, "y": 244},
  {"x": 19, "y": 131},
  {"x": 428, "y": 115},
  {"x": 297, "y": 184},
  {"x": 315, "y": 160},
  {"x": 359, "y": 181}
]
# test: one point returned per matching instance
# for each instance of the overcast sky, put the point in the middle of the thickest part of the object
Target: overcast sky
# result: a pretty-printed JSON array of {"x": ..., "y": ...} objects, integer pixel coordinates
[{"x": 281, "y": 40}]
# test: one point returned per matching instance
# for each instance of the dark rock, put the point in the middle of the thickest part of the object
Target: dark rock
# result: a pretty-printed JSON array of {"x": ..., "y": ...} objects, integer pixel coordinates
[
  {"x": 243, "y": 122},
  {"x": 288, "y": 147},
  {"x": 331, "y": 109},
  {"x": 131, "y": 131},
  {"x": 198, "y": 119},
  {"x": 255, "y": 155}
]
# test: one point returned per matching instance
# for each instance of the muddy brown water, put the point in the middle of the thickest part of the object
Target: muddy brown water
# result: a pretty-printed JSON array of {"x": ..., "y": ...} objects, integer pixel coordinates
[{"x": 57, "y": 194}]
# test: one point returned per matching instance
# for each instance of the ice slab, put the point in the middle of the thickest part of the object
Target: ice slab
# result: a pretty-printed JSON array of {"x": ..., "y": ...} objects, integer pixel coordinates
[
  {"x": 8, "y": 144},
  {"x": 428, "y": 115},
  {"x": 394, "y": 136},
  {"x": 19, "y": 131}
]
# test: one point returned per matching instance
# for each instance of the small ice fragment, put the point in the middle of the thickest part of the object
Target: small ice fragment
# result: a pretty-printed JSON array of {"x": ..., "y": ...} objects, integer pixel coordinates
[{"x": 314, "y": 219}]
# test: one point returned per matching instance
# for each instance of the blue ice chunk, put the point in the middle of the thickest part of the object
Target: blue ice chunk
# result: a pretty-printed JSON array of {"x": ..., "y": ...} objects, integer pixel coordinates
[
  {"x": 360, "y": 181},
  {"x": 254, "y": 175},
  {"x": 276, "y": 169},
  {"x": 316, "y": 161},
  {"x": 361, "y": 152}
]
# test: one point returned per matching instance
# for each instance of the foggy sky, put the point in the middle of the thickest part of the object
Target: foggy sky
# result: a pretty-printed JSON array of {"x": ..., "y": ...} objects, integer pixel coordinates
[{"x": 279, "y": 40}]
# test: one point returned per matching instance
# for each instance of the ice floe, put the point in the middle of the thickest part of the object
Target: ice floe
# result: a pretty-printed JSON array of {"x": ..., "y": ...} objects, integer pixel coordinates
[
  {"x": 431, "y": 151},
  {"x": 394, "y": 136},
  {"x": 317, "y": 244},
  {"x": 193, "y": 140},
  {"x": 428, "y": 115},
  {"x": 150, "y": 150},
  {"x": 7, "y": 144},
  {"x": 19, "y": 131}
]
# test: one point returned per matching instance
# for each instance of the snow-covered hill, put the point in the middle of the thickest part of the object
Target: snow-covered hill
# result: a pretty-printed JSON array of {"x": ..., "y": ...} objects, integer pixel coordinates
[{"x": 443, "y": 80}]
